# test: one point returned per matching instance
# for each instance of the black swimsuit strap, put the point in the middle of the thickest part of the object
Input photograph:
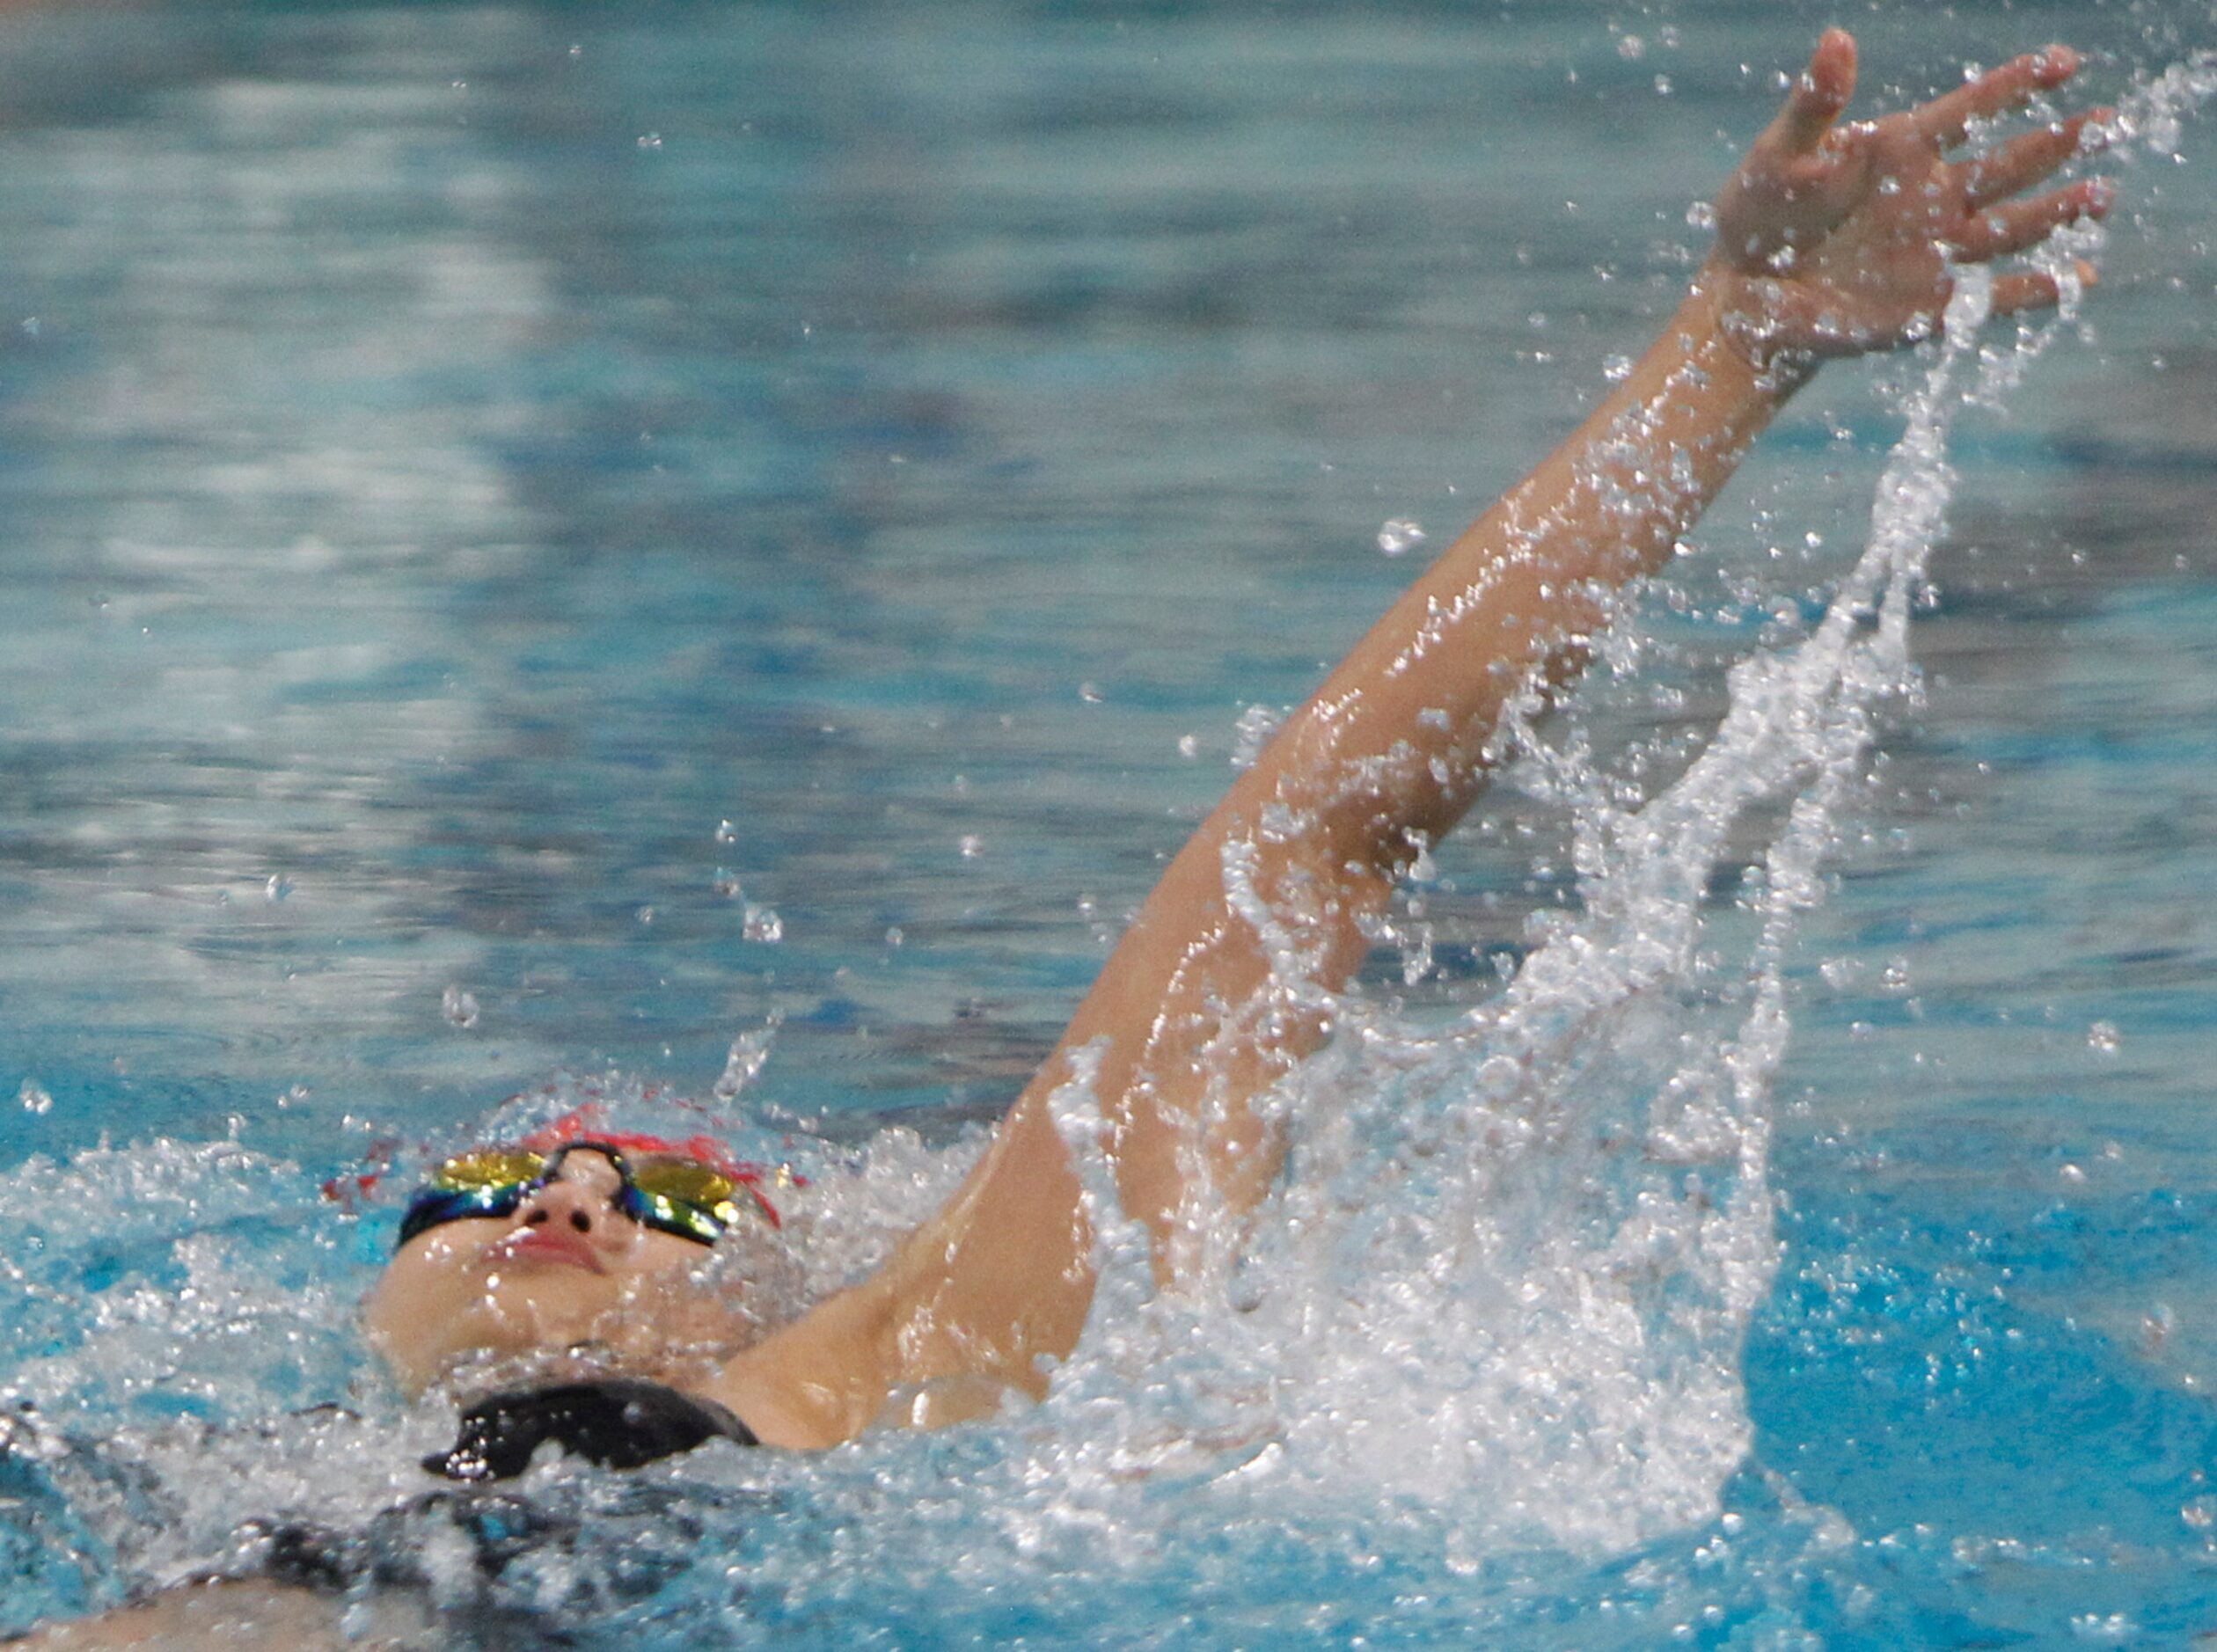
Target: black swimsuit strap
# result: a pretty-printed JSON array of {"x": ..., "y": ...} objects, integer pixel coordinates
[{"x": 617, "y": 1422}]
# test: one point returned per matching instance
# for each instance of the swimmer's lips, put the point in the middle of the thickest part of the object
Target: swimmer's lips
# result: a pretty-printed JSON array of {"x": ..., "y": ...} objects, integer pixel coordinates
[{"x": 547, "y": 1246}]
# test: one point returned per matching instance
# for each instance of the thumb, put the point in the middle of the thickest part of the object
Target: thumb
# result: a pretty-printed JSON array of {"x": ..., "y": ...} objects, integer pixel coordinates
[{"x": 1818, "y": 97}]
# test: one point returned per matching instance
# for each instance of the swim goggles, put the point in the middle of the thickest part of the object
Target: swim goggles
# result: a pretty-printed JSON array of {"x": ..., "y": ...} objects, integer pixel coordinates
[{"x": 694, "y": 1201}]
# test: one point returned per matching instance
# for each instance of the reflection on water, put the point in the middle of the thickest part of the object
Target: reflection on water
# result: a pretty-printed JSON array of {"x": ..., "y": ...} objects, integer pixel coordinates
[{"x": 457, "y": 459}]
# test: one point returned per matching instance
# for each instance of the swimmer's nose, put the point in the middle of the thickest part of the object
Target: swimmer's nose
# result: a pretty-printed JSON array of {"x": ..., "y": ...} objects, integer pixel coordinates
[{"x": 569, "y": 1204}]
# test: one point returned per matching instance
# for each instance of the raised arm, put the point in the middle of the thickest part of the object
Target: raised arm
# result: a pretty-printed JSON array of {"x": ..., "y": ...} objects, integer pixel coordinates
[{"x": 1832, "y": 239}]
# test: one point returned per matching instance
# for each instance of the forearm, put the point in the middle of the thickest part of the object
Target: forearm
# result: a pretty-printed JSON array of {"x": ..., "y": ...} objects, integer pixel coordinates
[
  {"x": 1395, "y": 741},
  {"x": 1197, "y": 1004}
]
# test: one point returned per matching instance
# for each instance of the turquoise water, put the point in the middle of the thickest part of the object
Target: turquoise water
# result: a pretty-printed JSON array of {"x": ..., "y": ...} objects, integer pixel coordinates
[{"x": 542, "y": 541}]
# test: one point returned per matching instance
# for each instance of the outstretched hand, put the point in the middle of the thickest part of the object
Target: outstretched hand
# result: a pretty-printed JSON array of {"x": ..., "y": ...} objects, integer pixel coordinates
[{"x": 1837, "y": 240}]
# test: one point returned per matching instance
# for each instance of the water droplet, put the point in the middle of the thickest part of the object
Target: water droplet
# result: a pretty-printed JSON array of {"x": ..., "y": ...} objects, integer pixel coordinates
[
  {"x": 2103, "y": 1036},
  {"x": 34, "y": 1097},
  {"x": 746, "y": 1057},
  {"x": 1253, "y": 732},
  {"x": 650, "y": 141},
  {"x": 1399, "y": 533},
  {"x": 459, "y": 1007},
  {"x": 762, "y": 923},
  {"x": 2156, "y": 1326}
]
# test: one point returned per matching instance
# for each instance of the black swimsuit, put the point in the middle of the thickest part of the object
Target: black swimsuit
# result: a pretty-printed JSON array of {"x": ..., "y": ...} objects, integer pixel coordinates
[{"x": 617, "y": 1422}]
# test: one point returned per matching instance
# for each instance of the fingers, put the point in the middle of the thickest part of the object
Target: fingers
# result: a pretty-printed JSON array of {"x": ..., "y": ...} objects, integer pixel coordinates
[
  {"x": 2016, "y": 225},
  {"x": 2025, "y": 161},
  {"x": 2033, "y": 289},
  {"x": 1946, "y": 119},
  {"x": 1817, "y": 98}
]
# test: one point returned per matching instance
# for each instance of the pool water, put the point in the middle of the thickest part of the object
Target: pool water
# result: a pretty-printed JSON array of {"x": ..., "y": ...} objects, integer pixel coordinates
[{"x": 704, "y": 556}]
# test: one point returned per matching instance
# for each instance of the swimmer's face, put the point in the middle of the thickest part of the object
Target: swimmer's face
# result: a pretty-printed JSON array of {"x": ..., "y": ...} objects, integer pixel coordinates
[{"x": 567, "y": 1267}]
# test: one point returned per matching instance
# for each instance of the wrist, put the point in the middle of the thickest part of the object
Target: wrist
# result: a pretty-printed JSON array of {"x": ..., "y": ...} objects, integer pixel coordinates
[{"x": 1733, "y": 309}]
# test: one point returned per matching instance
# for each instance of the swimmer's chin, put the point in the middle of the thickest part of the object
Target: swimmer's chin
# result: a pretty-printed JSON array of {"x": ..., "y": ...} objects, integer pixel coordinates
[
  {"x": 486, "y": 1352},
  {"x": 472, "y": 1374}
]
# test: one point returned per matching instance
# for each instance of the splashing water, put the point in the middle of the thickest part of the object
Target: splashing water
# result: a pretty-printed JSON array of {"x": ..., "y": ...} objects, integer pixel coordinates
[{"x": 1516, "y": 1257}]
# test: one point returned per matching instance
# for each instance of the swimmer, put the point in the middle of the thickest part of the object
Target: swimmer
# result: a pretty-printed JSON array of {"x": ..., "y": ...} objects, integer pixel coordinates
[{"x": 1833, "y": 239}]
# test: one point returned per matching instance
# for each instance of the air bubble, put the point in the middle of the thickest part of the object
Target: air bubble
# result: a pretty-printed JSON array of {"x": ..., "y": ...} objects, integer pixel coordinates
[
  {"x": 459, "y": 1007},
  {"x": 760, "y": 923},
  {"x": 2104, "y": 1037},
  {"x": 34, "y": 1098}
]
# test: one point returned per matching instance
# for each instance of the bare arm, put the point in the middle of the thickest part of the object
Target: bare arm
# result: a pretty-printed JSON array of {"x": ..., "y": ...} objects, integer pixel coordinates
[
  {"x": 244, "y": 1616},
  {"x": 1832, "y": 239}
]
